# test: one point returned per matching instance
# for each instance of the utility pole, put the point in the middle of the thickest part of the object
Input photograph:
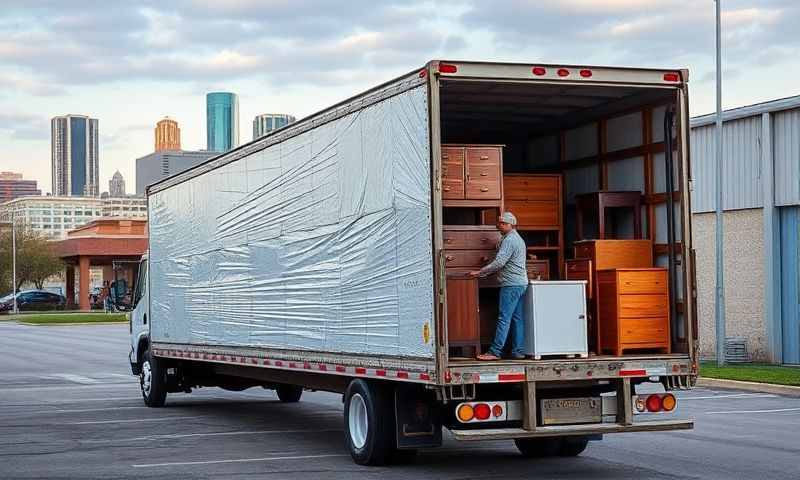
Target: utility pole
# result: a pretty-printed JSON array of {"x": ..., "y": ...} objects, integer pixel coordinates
[{"x": 720, "y": 297}]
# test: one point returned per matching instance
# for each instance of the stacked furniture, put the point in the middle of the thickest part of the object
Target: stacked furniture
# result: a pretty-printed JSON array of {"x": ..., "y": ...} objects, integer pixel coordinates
[
  {"x": 536, "y": 201},
  {"x": 628, "y": 298},
  {"x": 596, "y": 206}
]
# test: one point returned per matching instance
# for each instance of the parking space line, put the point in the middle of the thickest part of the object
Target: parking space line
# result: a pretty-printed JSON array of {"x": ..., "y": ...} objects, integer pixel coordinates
[
  {"x": 173, "y": 436},
  {"x": 132, "y": 420},
  {"x": 733, "y": 395},
  {"x": 239, "y": 460},
  {"x": 75, "y": 378},
  {"x": 776, "y": 410}
]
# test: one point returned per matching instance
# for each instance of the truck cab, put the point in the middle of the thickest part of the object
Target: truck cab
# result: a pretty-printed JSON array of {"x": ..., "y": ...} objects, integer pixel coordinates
[{"x": 138, "y": 316}]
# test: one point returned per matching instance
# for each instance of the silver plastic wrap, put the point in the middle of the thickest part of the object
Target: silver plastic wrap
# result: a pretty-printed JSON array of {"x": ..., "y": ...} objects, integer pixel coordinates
[{"x": 321, "y": 242}]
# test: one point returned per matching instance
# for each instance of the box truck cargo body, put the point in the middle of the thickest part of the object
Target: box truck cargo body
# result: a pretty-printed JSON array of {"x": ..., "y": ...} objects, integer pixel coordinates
[{"x": 314, "y": 258}]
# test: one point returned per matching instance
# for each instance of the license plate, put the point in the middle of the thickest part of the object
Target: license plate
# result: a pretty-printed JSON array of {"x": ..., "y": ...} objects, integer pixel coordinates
[{"x": 565, "y": 411}]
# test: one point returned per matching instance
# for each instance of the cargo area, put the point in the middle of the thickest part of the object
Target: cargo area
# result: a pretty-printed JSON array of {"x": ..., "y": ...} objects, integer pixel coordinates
[{"x": 583, "y": 167}]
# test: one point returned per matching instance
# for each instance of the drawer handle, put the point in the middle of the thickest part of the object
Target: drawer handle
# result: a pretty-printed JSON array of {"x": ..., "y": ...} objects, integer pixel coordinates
[
  {"x": 484, "y": 157},
  {"x": 448, "y": 240},
  {"x": 449, "y": 258},
  {"x": 484, "y": 259},
  {"x": 484, "y": 189},
  {"x": 484, "y": 240},
  {"x": 444, "y": 155},
  {"x": 446, "y": 189},
  {"x": 484, "y": 174}
]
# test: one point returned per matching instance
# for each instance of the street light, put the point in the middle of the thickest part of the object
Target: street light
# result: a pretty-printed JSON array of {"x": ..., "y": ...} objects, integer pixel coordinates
[
  {"x": 719, "y": 304},
  {"x": 13, "y": 261}
]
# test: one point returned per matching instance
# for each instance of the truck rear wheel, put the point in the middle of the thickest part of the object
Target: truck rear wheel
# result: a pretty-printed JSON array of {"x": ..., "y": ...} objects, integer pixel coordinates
[
  {"x": 369, "y": 430},
  {"x": 573, "y": 446},
  {"x": 289, "y": 393},
  {"x": 538, "y": 447},
  {"x": 153, "y": 381}
]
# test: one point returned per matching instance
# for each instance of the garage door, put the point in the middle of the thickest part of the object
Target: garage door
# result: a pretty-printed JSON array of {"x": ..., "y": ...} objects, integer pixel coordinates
[{"x": 790, "y": 283}]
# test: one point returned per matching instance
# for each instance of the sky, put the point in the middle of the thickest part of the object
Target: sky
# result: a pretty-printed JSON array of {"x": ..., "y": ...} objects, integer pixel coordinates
[{"x": 130, "y": 63}]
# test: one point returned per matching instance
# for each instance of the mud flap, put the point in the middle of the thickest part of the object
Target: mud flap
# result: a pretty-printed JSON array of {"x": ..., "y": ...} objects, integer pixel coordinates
[{"x": 418, "y": 417}]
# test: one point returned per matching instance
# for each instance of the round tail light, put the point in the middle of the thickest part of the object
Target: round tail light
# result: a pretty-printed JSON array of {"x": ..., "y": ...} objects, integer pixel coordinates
[
  {"x": 497, "y": 411},
  {"x": 653, "y": 403},
  {"x": 465, "y": 412},
  {"x": 668, "y": 402},
  {"x": 482, "y": 411}
]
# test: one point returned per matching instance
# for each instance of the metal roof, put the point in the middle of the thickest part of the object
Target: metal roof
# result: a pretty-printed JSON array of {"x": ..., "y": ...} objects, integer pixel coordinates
[{"x": 748, "y": 111}]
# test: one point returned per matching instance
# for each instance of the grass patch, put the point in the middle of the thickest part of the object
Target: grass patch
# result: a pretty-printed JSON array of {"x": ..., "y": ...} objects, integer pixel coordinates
[
  {"x": 61, "y": 318},
  {"x": 755, "y": 372}
]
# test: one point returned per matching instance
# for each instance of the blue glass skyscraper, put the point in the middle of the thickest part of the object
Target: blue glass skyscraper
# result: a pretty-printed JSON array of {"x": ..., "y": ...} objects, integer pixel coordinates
[
  {"x": 222, "y": 121},
  {"x": 75, "y": 156}
]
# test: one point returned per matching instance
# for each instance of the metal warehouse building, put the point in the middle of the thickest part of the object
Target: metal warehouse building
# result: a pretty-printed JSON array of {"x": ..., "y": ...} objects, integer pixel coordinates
[{"x": 761, "y": 201}]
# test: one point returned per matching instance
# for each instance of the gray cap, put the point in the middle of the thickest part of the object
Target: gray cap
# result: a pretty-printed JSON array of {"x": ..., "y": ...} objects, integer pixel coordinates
[{"x": 508, "y": 217}]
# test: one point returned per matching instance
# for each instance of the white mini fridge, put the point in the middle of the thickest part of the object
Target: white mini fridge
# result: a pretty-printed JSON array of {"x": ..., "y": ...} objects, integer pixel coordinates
[{"x": 555, "y": 319}]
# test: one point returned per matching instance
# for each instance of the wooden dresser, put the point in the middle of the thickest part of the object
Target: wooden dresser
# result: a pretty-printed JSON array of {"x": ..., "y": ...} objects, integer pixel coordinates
[
  {"x": 633, "y": 310},
  {"x": 471, "y": 175},
  {"x": 467, "y": 248},
  {"x": 594, "y": 255}
]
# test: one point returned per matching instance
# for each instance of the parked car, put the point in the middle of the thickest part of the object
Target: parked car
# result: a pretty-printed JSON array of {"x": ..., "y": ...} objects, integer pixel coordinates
[{"x": 32, "y": 300}]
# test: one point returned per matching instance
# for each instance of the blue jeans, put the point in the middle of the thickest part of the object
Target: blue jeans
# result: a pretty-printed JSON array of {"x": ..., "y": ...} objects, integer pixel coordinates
[{"x": 511, "y": 317}]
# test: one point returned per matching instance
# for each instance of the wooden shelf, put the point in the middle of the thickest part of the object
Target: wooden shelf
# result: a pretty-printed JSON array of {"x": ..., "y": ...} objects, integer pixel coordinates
[{"x": 544, "y": 249}]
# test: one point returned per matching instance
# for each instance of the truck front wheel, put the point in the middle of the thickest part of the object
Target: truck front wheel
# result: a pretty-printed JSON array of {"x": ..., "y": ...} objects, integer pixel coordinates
[
  {"x": 153, "y": 381},
  {"x": 369, "y": 430}
]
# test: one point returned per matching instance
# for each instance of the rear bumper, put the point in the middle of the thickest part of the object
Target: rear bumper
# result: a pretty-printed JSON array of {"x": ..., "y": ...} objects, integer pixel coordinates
[{"x": 570, "y": 430}]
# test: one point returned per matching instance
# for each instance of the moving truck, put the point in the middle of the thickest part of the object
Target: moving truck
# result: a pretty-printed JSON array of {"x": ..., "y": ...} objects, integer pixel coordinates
[{"x": 313, "y": 258}]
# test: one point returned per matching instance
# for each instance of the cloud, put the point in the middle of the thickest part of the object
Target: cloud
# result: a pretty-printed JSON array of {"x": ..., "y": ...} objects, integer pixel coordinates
[{"x": 21, "y": 126}]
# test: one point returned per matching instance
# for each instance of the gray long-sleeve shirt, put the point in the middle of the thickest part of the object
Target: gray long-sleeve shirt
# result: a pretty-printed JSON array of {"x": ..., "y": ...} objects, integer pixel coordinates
[{"x": 509, "y": 262}]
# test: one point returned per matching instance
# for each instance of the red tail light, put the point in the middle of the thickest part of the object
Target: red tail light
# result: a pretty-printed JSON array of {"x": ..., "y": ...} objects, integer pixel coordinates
[
  {"x": 497, "y": 410},
  {"x": 563, "y": 72},
  {"x": 423, "y": 73},
  {"x": 585, "y": 73},
  {"x": 447, "y": 68},
  {"x": 539, "y": 71},
  {"x": 672, "y": 77},
  {"x": 653, "y": 403},
  {"x": 482, "y": 411}
]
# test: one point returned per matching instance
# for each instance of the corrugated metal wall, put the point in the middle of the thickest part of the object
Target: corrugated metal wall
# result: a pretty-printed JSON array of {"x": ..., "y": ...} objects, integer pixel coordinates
[
  {"x": 743, "y": 184},
  {"x": 786, "y": 148},
  {"x": 741, "y": 149},
  {"x": 790, "y": 299}
]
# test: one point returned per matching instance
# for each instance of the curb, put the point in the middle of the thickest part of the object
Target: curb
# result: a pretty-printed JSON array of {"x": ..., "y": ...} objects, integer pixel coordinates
[{"x": 787, "y": 390}]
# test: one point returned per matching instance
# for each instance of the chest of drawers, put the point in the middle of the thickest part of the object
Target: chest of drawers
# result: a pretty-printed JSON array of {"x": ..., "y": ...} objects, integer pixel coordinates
[{"x": 633, "y": 310}]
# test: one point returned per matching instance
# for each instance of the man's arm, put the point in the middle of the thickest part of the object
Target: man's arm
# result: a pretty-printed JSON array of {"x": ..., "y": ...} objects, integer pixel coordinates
[{"x": 502, "y": 257}]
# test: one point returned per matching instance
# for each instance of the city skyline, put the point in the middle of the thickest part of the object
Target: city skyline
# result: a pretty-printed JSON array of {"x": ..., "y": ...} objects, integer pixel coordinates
[
  {"x": 143, "y": 62},
  {"x": 267, "y": 122}
]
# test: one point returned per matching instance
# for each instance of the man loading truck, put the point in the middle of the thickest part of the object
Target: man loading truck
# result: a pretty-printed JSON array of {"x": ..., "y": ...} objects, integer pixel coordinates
[{"x": 509, "y": 264}]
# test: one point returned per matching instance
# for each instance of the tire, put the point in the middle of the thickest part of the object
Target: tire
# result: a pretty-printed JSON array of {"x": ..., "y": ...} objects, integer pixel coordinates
[
  {"x": 289, "y": 393},
  {"x": 573, "y": 446},
  {"x": 369, "y": 432},
  {"x": 153, "y": 381},
  {"x": 538, "y": 447}
]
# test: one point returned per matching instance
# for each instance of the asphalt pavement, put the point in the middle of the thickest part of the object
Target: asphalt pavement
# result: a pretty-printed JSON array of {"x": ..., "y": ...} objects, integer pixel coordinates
[{"x": 69, "y": 408}]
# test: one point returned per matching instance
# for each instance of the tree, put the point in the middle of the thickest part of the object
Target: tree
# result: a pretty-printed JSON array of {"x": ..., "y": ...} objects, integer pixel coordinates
[{"x": 36, "y": 258}]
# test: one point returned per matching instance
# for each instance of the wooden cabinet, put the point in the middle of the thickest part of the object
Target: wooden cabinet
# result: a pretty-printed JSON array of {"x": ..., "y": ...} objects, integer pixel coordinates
[
  {"x": 463, "y": 323},
  {"x": 595, "y": 206},
  {"x": 471, "y": 175},
  {"x": 470, "y": 237},
  {"x": 592, "y": 256},
  {"x": 633, "y": 310}
]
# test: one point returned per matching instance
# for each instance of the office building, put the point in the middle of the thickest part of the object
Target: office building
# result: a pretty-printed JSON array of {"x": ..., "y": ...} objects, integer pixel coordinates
[
  {"x": 55, "y": 216},
  {"x": 263, "y": 124},
  {"x": 116, "y": 186},
  {"x": 222, "y": 121},
  {"x": 13, "y": 186},
  {"x": 168, "y": 135},
  {"x": 159, "y": 165},
  {"x": 74, "y": 155}
]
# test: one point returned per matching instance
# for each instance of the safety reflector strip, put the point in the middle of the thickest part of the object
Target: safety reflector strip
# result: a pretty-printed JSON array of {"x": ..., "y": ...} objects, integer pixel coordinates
[
  {"x": 633, "y": 373},
  {"x": 283, "y": 365}
]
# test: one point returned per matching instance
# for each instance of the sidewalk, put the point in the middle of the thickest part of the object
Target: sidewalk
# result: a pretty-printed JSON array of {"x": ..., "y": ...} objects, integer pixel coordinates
[{"x": 786, "y": 390}]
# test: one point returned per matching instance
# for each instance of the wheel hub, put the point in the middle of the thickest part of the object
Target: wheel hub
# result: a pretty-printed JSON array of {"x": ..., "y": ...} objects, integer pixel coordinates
[
  {"x": 147, "y": 377},
  {"x": 358, "y": 421}
]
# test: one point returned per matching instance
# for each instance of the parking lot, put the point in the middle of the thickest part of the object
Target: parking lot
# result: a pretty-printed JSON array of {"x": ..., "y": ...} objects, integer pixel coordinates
[{"x": 70, "y": 409}]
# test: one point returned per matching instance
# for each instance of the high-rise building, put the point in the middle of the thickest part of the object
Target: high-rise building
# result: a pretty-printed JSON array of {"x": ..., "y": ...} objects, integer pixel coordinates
[
  {"x": 116, "y": 186},
  {"x": 75, "y": 155},
  {"x": 13, "y": 186},
  {"x": 263, "y": 124},
  {"x": 222, "y": 121},
  {"x": 168, "y": 135},
  {"x": 159, "y": 165}
]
